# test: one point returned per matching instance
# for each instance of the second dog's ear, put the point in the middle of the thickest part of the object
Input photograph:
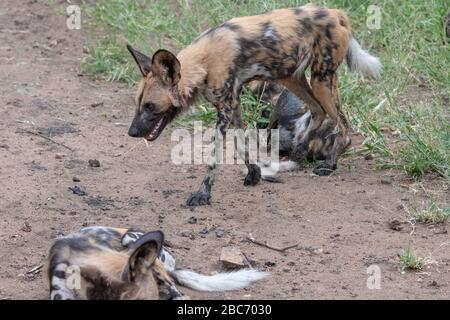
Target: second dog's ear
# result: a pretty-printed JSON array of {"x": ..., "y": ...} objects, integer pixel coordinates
[
  {"x": 144, "y": 63},
  {"x": 167, "y": 67},
  {"x": 143, "y": 254}
]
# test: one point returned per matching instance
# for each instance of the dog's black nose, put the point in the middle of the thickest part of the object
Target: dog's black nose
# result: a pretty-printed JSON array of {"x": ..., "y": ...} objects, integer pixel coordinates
[{"x": 133, "y": 132}]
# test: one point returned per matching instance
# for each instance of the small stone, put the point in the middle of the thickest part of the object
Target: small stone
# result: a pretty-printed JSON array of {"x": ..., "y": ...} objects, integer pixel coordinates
[
  {"x": 97, "y": 104},
  {"x": 232, "y": 257},
  {"x": 94, "y": 163},
  {"x": 26, "y": 227},
  {"x": 318, "y": 251},
  {"x": 78, "y": 191},
  {"x": 220, "y": 233},
  {"x": 59, "y": 156},
  {"x": 368, "y": 157},
  {"x": 203, "y": 232},
  {"x": 270, "y": 264},
  {"x": 76, "y": 179},
  {"x": 188, "y": 234},
  {"x": 434, "y": 284},
  {"x": 192, "y": 220},
  {"x": 395, "y": 225},
  {"x": 386, "y": 180}
]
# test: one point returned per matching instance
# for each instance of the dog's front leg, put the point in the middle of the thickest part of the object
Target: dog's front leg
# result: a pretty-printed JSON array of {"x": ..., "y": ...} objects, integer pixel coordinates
[{"x": 203, "y": 195}]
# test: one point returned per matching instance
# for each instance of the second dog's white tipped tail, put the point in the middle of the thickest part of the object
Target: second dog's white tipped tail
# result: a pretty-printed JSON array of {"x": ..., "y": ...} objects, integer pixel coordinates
[
  {"x": 362, "y": 61},
  {"x": 269, "y": 169},
  {"x": 220, "y": 282}
]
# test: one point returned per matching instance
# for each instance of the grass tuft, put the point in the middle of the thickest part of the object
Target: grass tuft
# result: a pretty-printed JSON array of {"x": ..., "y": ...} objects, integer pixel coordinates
[
  {"x": 408, "y": 260},
  {"x": 433, "y": 215}
]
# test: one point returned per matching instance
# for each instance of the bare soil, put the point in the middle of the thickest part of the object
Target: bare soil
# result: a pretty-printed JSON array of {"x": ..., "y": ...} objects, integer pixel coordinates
[{"x": 54, "y": 120}]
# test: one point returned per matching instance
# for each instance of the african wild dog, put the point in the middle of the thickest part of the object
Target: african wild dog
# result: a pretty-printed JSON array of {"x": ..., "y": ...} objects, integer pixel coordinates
[
  {"x": 278, "y": 45},
  {"x": 291, "y": 116},
  {"x": 99, "y": 263}
]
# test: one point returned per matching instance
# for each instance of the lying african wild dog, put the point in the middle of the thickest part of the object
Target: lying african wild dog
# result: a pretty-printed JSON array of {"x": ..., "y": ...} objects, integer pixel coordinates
[
  {"x": 278, "y": 45},
  {"x": 125, "y": 264},
  {"x": 296, "y": 139}
]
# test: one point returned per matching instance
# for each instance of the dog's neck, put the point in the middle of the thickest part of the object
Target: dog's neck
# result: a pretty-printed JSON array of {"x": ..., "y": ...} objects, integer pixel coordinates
[{"x": 193, "y": 75}]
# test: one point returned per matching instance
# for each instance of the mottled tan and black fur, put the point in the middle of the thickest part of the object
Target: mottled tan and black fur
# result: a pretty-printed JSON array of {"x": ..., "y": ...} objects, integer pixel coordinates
[
  {"x": 278, "y": 45},
  {"x": 297, "y": 142},
  {"x": 102, "y": 263}
]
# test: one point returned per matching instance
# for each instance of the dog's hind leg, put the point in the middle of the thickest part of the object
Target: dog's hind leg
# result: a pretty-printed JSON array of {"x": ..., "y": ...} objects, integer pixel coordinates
[
  {"x": 335, "y": 92},
  {"x": 322, "y": 86},
  {"x": 301, "y": 88}
]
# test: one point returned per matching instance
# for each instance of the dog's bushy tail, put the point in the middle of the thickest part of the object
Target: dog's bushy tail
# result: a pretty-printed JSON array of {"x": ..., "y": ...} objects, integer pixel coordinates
[
  {"x": 270, "y": 169},
  {"x": 219, "y": 282},
  {"x": 362, "y": 61}
]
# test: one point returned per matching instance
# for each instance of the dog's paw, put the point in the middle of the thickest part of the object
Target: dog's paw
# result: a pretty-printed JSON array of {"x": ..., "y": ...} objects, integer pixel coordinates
[
  {"x": 198, "y": 199},
  {"x": 253, "y": 176},
  {"x": 323, "y": 169}
]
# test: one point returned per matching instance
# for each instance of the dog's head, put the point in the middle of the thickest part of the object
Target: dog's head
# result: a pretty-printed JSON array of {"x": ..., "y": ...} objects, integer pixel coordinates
[
  {"x": 157, "y": 99},
  {"x": 105, "y": 274},
  {"x": 329, "y": 142}
]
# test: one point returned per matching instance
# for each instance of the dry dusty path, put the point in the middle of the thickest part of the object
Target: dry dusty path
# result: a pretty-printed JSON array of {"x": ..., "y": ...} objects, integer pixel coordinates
[{"x": 341, "y": 222}]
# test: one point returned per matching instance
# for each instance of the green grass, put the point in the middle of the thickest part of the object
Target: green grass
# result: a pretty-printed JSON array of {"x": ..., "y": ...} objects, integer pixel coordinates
[
  {"x": 411, "y": 100},
  {"x": 434, "y": 214},
  {"x": 408, "y": 260}
]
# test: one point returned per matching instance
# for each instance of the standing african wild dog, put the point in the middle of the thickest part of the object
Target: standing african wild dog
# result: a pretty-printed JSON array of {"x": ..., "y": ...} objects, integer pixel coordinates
[
  {"x": 278, "y": 45},
  {"x": 101, "y": 263}
]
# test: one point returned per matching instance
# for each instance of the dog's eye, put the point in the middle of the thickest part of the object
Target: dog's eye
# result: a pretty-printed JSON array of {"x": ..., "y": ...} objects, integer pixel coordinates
[{"x": 149, "y": 106}]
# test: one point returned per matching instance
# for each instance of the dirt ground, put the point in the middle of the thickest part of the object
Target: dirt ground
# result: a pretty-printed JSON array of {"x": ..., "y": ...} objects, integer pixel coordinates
[{"x": 341, "y": 222}]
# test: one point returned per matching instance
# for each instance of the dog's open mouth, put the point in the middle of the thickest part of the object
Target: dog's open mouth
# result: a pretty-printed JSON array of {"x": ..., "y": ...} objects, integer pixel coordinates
[{"x": 158, "y": 127}]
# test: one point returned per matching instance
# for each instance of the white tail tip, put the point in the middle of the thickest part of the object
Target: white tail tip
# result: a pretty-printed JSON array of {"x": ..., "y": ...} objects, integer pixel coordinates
[
  {"x": 220, "y": 282},
  {"x": 362, "y": 61}
]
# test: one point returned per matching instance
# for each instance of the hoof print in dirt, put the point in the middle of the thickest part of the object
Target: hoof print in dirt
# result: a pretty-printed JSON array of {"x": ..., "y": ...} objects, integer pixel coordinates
[
  {"x": 323, "y": 170},
  {"x": 198, "y": 199},
  {"x": 253, "y": 176}
]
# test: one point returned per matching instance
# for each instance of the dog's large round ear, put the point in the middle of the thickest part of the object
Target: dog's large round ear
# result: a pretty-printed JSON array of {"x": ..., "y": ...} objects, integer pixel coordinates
[
  {"x": 144, "y": 63},
  {"x": 143, "y": 254},
  {"x": 167, "y": 67}
]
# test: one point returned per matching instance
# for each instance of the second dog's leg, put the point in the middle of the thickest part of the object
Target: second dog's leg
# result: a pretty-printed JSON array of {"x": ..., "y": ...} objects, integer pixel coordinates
[
  {"x": 253, "y": 170},
  {"x": 301, "y": 89}
]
